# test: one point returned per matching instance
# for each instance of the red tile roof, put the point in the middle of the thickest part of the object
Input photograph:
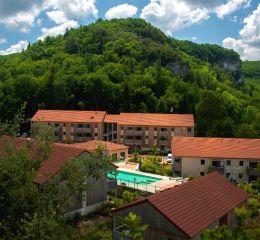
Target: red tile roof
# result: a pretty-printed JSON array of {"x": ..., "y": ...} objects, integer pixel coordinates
[
  {"x": 195, "y": 205},
  {"x": 92, "y": 145},
  {"x": 152, "y": 119},
  {"x": 236, "y": 148},
  {"x": 69, "y": 116},
  {"x": 57, "y": 159},
  {"x": 59, "y": 156},
  {"x": 112, "y": 118}
]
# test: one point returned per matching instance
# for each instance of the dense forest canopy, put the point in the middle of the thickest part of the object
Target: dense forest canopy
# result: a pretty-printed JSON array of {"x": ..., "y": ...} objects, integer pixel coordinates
[
  {"x": 251, "y": 73},
  {"x": 128, "y": 65}
]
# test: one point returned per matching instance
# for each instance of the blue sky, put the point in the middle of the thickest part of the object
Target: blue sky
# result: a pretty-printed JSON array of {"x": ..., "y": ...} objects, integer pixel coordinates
[{"x": 230, "y": 23}]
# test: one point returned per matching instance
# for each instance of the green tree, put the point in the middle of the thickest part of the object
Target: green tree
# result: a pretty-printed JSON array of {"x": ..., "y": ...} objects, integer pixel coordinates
[{"x": 135, "y": 227}]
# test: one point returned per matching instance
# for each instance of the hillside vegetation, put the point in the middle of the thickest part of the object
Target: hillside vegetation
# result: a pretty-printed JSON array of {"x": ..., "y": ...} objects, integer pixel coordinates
[
  {"x": 128, "y": 65},
  {"x": 251, "y": 73}
]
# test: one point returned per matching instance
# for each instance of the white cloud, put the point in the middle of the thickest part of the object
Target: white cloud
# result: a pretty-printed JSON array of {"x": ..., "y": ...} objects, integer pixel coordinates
[
  {"x": 73, "y": 9},
  {"x": 2, "y": 40},
  {"x": 16, "y": 48},
  {"x": 58, "y": 30},
  {"x": 248, "y": 44},
  {"x": 231, "y": 6},
  {"x": 172, "y": 16},
  {"x": 19, "y": 15},
  {"x": 194, "y": 39},
  {"x": 57, "y": 16},
  {"x": 121, "y": 11}
]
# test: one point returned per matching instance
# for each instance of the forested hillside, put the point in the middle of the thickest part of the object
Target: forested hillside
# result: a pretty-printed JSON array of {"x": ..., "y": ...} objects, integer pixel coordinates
[
  {"x": 128, "y": 65},
  {"x": 251, "y": 73}
]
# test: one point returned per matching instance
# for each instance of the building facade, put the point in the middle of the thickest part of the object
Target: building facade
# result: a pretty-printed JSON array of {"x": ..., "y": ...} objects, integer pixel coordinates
[
  {"x": 237, "y": 159},
  {"x": 137, "y": 130}
]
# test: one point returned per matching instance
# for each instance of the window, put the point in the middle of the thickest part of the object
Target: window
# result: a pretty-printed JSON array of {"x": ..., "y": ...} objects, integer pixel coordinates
[
  {"x": 56, "y": 124},
  {"x": 177, "y": 160},
  {"x": 129, "y": 128},
  {"x": 155, "y": 137},
  {"x": 173, "y": 129},
  {"x": 241, "y": 163},
  {"x": 155, "y": 129},
  {"x": 240, "y": 175},
  {"x": 202, "y": 173},
  {"x": 189, "y": 129},
  {"x": 138, "y": 129},
  {"x": 122, "y": 128},
  {"x": 79, "y": 126},
  {"x": 64, "y": 133},
  {"x": 228, "y": 162},
  {"x": 146, "y": 129},
  {"x": 95, "y": 125},
  {"x": 227, "y": 175},
  {"x": 64, "y": 124},
  {"x": 163, "y": 129},
  {"x": 202, "y": 162},
  {"x": 79, "y": 134}
]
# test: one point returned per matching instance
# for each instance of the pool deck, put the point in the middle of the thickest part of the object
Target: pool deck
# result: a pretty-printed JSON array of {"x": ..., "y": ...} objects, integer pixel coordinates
[{"x": 164, "y": 183}]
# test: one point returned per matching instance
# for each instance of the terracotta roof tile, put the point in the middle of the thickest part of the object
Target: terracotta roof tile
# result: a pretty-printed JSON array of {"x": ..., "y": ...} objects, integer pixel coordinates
[
  {"x": 195, "y": 205},
  {"x": 153, "y": 119},
  {"x": 112, "y": 118},
  {"x": 92, "y": 145},
  {"x": 236, "y": 148},
  {"x": 69, "y": 116}
]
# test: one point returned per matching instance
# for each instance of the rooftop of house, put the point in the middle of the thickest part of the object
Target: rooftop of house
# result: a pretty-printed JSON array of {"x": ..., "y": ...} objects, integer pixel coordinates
[
  {"x": 70, "y": 116},
  {"x": 132, "y": 119},
  {"x": 195, "y": 205},
  {"x": 233, "y": 148},
  {"x": 152, "y": 119},
  {"x": 90, "y": 146},
  {"x": 60, "y": 154}
]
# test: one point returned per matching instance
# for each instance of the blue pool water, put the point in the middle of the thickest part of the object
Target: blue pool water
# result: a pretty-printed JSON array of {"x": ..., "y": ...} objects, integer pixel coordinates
[{"x": 133, "y": 178}]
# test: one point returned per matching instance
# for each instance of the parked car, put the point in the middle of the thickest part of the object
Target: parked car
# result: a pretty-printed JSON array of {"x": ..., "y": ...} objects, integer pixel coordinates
[{"x": 169, "y": 158}]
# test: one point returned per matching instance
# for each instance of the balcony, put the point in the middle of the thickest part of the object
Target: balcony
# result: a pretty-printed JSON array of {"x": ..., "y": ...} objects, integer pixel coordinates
[
  {"x": 133, "y": 142},
  {"x": 217, "y": 169},
  {"x": 164, "y": 142},
  {"x": 253, "y": 172},
  {"x": 85, "y": 130},
  {"x": 133, "y": 133},
  {"x": 163, "y": 134}
]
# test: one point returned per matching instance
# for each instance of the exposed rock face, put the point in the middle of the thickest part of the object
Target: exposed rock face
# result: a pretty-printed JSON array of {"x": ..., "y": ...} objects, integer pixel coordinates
[{"x": 234, "y": 67}]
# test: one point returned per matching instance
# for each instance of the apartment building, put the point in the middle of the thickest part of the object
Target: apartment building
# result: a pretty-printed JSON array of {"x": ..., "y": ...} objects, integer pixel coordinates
[
  {"x": 145, "y": 130},
  {"x": 74, "y": 126},
  {"x": 238, "y": 159},
  {"x": 141, "y": 130}
]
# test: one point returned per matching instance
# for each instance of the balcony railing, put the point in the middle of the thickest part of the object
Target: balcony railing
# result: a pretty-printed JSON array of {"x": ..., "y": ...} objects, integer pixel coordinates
[
  {"x": 163, "y": 133},
  {"x": 133, "y": 142},
  {"x": 217, "y": 169},
  {"x": 133, "y": 133}
]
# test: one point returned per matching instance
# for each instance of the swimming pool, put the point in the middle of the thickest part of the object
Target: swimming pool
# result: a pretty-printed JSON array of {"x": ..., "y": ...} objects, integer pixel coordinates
[{"x": 129, "y": 177}]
